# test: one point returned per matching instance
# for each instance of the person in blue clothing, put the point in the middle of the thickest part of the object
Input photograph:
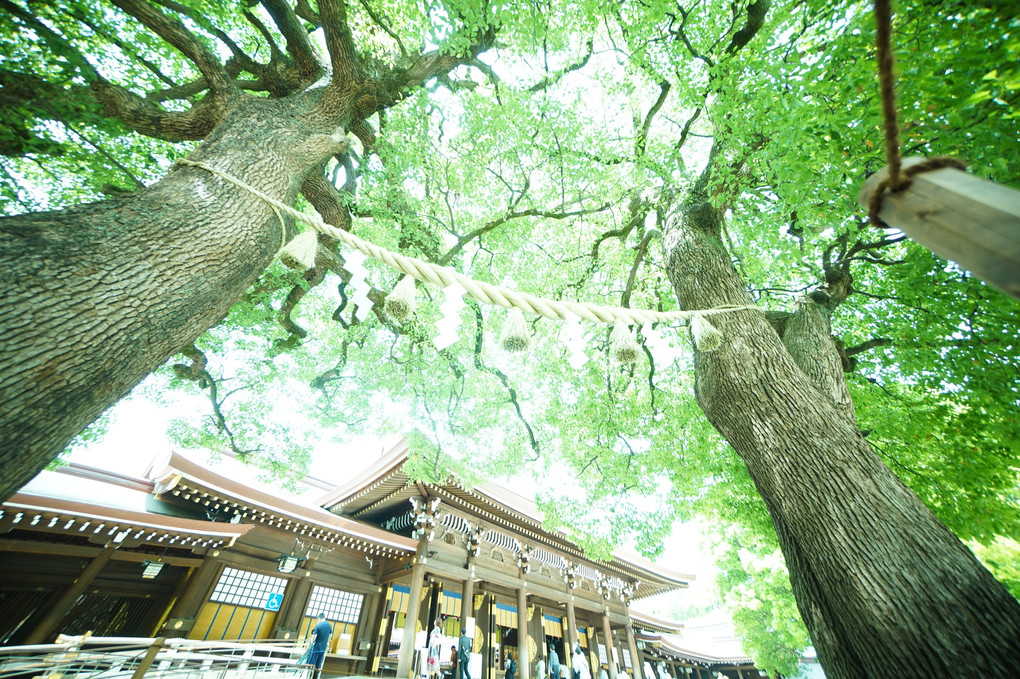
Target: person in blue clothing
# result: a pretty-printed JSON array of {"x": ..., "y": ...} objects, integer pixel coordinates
[
  {"x": 463, "y": 655},
  {"x": 320, "y": 641}
]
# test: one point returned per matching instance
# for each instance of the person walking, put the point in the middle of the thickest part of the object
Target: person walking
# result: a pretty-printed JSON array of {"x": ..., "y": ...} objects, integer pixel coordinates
[
  {"x": 579, "y": 664},
  {"x": 554, "y": 664},
  {"x": 320, "y": 642},
  {"x": 463, "y": 653},
  {"x": 435, "y": 645},
  {"x": 511, "y": 667}
]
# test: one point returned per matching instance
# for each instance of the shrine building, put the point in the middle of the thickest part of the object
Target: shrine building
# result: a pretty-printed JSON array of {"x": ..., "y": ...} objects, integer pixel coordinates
[{"x": 184, "y": 551}]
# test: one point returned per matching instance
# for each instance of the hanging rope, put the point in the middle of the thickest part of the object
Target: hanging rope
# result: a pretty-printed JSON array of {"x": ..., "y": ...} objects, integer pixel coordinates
[
  {"x": 898, "y": 179},
  {"x": 483, "y": 292}
]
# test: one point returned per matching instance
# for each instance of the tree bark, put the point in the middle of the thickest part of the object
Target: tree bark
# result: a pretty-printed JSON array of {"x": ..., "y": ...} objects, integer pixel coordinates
[
  {"x": 100, "y": 295},
  {"x": 884, "y": 588}
]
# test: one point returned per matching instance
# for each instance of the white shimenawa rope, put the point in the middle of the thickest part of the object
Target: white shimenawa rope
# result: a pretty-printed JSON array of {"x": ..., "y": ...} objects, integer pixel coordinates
[{"x": 485, "y": 293}]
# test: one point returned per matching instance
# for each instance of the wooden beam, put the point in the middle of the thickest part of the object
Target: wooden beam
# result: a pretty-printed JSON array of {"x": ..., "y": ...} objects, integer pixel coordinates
[
  {"x": 960, "y": 217},
  {"x": 56, "y": 610},
  {"x": 58, "y": 549}
]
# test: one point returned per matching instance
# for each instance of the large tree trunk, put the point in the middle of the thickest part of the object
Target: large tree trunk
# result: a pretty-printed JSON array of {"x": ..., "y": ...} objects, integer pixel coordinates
[
  {"x": 885, "y": 589},
  {"x": 100, "y": 295}
]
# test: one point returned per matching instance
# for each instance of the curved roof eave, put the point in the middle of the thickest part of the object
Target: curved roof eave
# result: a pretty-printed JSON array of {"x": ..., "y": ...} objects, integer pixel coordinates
[{"x": 177, "y": 468}]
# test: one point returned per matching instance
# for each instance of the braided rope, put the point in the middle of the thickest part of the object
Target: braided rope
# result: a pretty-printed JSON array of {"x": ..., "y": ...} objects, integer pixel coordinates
[
  {"x": 898, "y": 179},
  {"x": 485, "y": 293}
]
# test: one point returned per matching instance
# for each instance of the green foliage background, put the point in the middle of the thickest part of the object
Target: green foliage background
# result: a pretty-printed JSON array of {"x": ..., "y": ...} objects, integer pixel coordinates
[{"x": 543, "y": 168}]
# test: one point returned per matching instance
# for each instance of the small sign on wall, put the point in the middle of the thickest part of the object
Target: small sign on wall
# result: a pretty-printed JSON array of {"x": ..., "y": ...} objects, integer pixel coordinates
[{"x": 273, "y": 601}]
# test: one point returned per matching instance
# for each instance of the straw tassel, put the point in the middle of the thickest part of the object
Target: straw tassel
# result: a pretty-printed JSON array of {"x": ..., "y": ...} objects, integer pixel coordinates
[
  {"x": 625, "y": 347},
  {"x": 299, "y": 253},
  {"x": 706, "y": 336},
  {"x": 402, "y": 300},
  {"x": 515, "y": 337}
]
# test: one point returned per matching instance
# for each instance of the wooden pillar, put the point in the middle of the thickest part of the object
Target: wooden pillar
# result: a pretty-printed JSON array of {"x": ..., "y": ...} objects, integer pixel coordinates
[
  {"x": 431, "y": 594},
  {"x": 536, "y": 630},
  {"x": 487, "y": 628},
  {"x": 405, "y": 659},
  {"x": 523, "y": 659},
  {"x": 435, "y": 606},
  {"x": 572, "y": 623},
  {"x": 362, "y": 642},
  {"x": 158, "y": 617},
  {"x": 55, "y": 612},
  {"x": 593, "y": 650},
  {"x": 635, "y": 658},
  {"x": 382, "y": 627},
  {"x": 288, "y": 619},
  {"x": 467, "y": 607},
  {"x": 607, "y": 632},
  {"x": 186, "y": 609},
  {"x": 568, "y": 649}
]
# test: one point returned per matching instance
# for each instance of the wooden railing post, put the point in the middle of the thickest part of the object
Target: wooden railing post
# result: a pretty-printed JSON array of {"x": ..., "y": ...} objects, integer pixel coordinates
[{"x": 149, "y": 657}]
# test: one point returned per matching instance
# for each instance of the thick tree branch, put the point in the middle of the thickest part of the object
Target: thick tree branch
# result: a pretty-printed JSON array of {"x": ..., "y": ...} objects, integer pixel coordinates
[
  {"x": 326, "y": 200},
  {"x": 642, "y": 250},
  {"x": 73, "y": 104},
  {"x": 642, "y": 136},
  {"x": 397, "y": 84},
  {"x": 681, "y": 32},
  {"x": 554, "y": 78},
  {"x": 686, "y": 131},
  {"x": 305, "y": 11},
  {"x": 343, "y": 56},
  {"x": 312, "y": 277},
  {"x": 756, "y": 12},
  {"x": 638, "y": 210},
  {"x": 189, "y": 90},
  {"x": 196, "y": 372},
  {"x": 496, "y": 223},
  {"x": 238, "y": 55},
  {"x": 187, "y": 43},
  {"x": 867, "y": 346},
  {"x": 299, "y": 46},
  {"x": 274, "y": 51}
]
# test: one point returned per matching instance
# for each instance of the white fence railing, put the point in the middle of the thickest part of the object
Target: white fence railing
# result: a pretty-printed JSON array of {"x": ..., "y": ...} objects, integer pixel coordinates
[{"x": 133, "y": 658}]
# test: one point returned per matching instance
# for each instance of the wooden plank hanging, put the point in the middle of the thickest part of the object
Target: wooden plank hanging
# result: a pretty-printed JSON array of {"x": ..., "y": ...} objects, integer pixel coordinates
[{"x": 968, "y": 220}]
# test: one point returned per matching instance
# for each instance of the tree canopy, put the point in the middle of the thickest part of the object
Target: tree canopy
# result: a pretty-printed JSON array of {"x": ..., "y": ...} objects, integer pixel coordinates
[{"x": 544, "y": 146}]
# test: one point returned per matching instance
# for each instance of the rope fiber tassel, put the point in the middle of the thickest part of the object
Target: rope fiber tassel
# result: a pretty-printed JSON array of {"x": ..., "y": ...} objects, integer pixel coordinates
[
  {"x": 402, "y": 301},
  {"x": 299, "y": 253},
  {"x": 706, "y": 336},
  {"x": 624, "y": 345},
  {"x": 515, "y": 336}
]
